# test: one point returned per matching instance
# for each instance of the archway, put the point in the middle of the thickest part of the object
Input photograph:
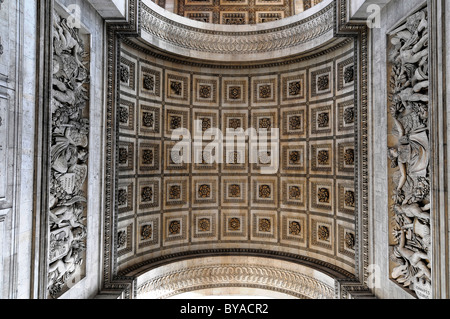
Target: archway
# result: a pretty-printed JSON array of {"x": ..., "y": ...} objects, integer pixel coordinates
[{"x": 236, "y": 276}]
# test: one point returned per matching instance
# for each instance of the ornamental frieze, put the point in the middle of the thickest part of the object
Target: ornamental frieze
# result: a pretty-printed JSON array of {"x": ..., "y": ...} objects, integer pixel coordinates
[
  {"x": 278, "y": 279},
  {"x": 248, "y": 42}
]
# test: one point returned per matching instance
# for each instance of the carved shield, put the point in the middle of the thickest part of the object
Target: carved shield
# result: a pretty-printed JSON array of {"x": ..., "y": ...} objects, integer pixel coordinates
[{"x": 59, "y": 244}]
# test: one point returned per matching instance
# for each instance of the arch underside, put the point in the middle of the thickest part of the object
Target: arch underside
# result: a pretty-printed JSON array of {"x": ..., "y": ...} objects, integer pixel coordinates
[
  {"x": 324, "y": 55},
  {"x": 234, "y": 274}
]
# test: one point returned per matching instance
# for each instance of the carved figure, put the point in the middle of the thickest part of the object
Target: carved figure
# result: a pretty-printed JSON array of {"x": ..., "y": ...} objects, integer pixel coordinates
[
  {"x": 413, "y": 210},
  {"x": 415, "y": 259},
  {"x": 63, "y": 268},
  {"x": 411, "y": 156},
  {"x": 420, "y": 229}
]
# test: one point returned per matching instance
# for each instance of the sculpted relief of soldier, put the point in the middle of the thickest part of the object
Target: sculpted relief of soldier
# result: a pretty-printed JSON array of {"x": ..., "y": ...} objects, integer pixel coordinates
[
  {"x": 409, "y": 153},
  {"x": 69, "y": 156}
]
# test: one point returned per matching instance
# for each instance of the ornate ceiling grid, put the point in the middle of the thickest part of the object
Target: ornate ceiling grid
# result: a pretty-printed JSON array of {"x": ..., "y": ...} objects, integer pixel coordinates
[
  {"x": 308, "y": 206},
  {"x": 235, "y": 12}
]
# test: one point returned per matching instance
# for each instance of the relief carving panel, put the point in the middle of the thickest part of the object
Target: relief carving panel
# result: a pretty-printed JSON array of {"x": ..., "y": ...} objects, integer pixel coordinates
[
  {"x": 409, "y": 154},
  {"x": 69, "y": 158}
]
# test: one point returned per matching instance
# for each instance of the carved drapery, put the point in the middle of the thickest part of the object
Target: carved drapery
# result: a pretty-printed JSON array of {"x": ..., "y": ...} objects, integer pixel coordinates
[
  {"x": 68, "y": 157},
  {"x": 409, "y": 154}
]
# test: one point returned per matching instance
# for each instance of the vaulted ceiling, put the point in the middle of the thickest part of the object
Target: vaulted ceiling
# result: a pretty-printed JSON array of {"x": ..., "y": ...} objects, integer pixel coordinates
[{"x": 305, "y": 209}]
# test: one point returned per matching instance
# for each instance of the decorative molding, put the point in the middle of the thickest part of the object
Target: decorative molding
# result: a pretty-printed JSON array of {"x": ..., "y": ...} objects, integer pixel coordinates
[
  {"x": 230, "y": 43},
  {"x": 308, "y": 4},
  {"x": 6, "y": 154},
  {"x": 327, "y": 268},
  {"x": 114, "y": 32},
  {"x": 437, "y": 12},
  {"x": 1, "y": 46},
  {"x": 360, "y": 32},
  {"x": 351, "y": 289},
  {"x": 337, "y": 44},
  {"x": 236, "y": 275}
]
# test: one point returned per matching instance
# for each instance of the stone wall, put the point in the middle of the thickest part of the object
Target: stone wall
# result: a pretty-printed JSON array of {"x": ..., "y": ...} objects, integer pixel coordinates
[{"x": 17, "y": 149}]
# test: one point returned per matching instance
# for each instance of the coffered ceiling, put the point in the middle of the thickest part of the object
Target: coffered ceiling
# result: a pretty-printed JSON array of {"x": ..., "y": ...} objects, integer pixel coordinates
[
  {"x": 306, "y": 207},
  {"x": 239, "y": 12},
  {"x": 235, "y": 12}
]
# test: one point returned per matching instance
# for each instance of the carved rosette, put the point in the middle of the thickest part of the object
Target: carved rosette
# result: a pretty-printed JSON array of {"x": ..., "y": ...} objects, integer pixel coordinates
[
  {"x": 68, "y": 158},
  {"x": 409, "y": 154}
]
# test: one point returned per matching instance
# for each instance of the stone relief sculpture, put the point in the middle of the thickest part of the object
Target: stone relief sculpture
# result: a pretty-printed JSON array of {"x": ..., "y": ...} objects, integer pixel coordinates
[
  {"x": 69, "y": 156},
  {"x": 410, "y": 155}
]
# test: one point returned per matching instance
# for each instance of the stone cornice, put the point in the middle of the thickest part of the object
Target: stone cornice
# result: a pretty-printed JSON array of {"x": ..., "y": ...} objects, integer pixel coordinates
[
  {"x": 331, "y": 46},
  {"x": 327, "y": 268}
]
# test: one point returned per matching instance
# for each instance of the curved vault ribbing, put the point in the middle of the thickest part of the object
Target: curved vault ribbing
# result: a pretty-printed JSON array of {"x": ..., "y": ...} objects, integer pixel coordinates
[
  {"x": 251, "y": 44},
  {"x": 237, "y": 274}
]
